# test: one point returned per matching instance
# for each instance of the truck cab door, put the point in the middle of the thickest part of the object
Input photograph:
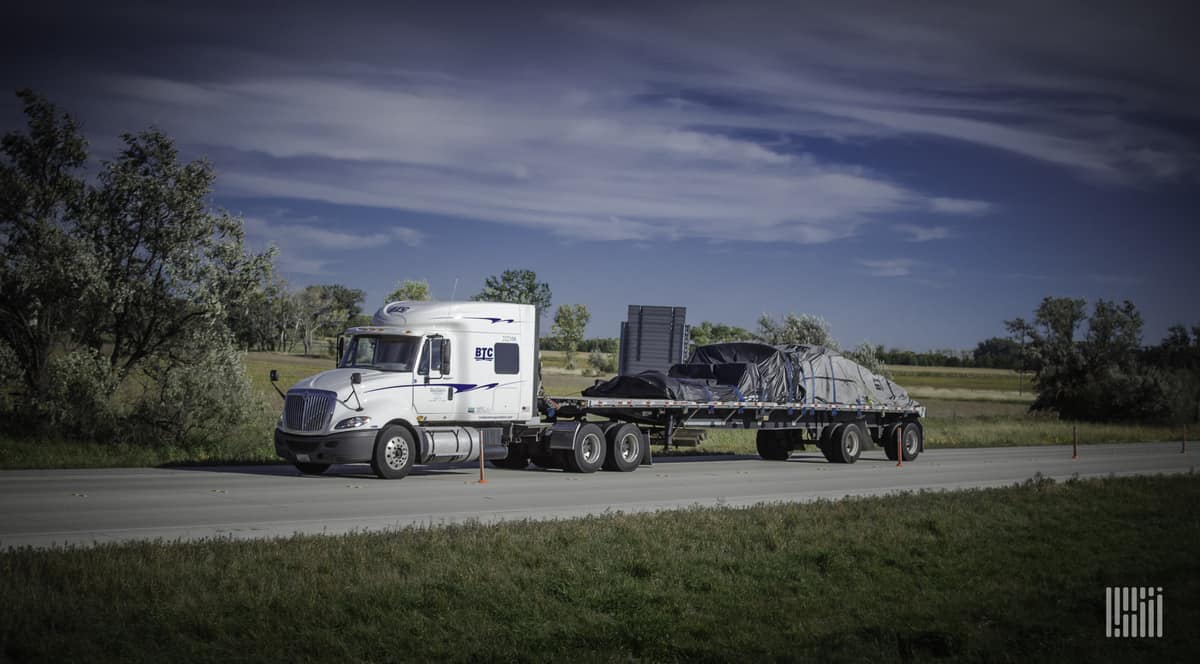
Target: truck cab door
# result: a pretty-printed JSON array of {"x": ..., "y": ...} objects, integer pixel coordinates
[{"x": 434, "y": 392}]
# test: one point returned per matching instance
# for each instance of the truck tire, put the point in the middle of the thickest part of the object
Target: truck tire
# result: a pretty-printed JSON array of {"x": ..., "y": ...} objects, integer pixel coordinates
[
  {"x": 887, "y": 440},
  {"x": 395, "y": 453},
  {"x": 772, "y": 445},
  {"x": 589, "y": 452},
  {"x": 847, "y": 443},
  {"x": 517, "y": 459},
  {"x": 912, "y": 441},
  {"x": 625, "y": 444},
  {"x": 311, "y": 468},
  {"x": 828, "y": 435}
]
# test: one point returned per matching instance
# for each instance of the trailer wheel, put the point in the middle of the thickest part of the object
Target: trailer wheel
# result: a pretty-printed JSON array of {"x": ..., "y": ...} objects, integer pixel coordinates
[
  {"x": 829, "y": 435},
  {"x": 625, "y": 445},
  {"x": 588, "y": 455},
  {"x": 772, "y": 445},
  {"x": 846, "y": 444},
  {"x": 395, "y": 453},
  {"x": 912, "y": 440},
  {"x": 311, "y": 468},
  {"x": 887, "y": 440}
]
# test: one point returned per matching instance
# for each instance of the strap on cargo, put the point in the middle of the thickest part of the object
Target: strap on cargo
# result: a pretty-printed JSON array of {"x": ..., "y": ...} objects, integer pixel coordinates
[{"x": 833, "y": 385}]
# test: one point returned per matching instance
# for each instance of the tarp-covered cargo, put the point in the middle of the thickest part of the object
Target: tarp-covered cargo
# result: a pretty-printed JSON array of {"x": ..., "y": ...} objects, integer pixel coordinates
[{"x": 747, "y": 371}]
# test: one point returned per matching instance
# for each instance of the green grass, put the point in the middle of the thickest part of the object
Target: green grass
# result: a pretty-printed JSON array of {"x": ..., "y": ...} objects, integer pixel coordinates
[
  {"x": 958, "y": 378},
  {"x": 1014, "y": 574}
]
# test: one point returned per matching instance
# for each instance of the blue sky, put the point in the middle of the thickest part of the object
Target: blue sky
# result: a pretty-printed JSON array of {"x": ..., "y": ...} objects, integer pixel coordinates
[{"x": 915, "y": 174}]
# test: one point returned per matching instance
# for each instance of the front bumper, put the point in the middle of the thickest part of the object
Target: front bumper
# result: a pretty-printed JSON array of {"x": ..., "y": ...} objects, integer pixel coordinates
[{"x": 341, "y": 447}]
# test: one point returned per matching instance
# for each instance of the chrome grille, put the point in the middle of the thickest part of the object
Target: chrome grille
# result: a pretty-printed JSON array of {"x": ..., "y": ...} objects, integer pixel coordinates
[{"x": 308, "y": 410}]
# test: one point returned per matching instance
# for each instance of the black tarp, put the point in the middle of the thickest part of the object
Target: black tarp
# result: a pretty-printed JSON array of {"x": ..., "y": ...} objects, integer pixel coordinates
[
  {"x": 747, "y": 371},
  {"x": 658, "y": 385}
]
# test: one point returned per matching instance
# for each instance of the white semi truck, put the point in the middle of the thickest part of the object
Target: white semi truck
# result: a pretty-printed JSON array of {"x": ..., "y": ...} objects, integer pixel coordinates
[{"x": 435, "y": 382}]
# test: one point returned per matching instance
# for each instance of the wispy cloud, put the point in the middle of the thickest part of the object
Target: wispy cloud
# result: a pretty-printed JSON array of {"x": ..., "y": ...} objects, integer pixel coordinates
[
  {"x": 890, "y": 267},
  {"x": 959, "y": 206},
  {"x": 917, "y": 233},
  {"x": 305, "y": 249}
]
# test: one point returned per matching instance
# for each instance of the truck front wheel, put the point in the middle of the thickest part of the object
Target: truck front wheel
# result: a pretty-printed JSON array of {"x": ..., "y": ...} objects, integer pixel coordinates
[{"x": 395, "y": 453}]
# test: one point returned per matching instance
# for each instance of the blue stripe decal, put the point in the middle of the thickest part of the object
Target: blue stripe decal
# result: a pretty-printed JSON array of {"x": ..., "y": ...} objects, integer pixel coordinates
[{"x": 457, "y": 387}]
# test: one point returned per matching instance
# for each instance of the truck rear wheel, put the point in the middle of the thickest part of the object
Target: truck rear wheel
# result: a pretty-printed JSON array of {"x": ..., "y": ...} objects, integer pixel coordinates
[
  {"x": 773, "y": 445},
  {"x": 589, "y": 450},
  {"x": 625, "y": 444},
  {"x": 395, "y": 453},
  {"x": 846, "y": 444}
]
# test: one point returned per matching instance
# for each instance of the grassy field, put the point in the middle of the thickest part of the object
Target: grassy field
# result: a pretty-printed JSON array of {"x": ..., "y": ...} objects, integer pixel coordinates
[
  {"x": 1014, "y": 574},
  {"x": 966, "y": 408}
]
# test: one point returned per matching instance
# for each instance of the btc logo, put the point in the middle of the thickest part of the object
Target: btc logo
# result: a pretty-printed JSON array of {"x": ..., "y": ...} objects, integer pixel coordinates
[{"x": 484, "y": 353}]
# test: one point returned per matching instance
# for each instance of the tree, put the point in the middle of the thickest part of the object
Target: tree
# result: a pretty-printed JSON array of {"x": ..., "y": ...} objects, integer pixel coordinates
[
  {"x": 805, "y": 330},
  {"x": 324, "y": 309},
  {"x": 410, "y": 290},
  {"x": 868, "y": 356},
  {"x": 1101, "y": 377},
  {"x": 519, "y": 286},
  {"x": 715, "y": 333},
  {"x": 570, "y": 321},
  {"x": 167, "y": 264},
  {"x": 347, "y": 300},
  {"x": 997, "y": 353},
  {"x": 128, "y": 274},
  {"x": 45, "y": 268},
  {"x": 1020, "y": 330}
]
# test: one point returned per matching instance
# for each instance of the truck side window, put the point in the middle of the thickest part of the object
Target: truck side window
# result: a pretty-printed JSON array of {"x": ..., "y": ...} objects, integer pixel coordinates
[
  {"x": 423, "y": 365},
  {"x": 508, "y": 358},
  {"x": 432, "y": 357}
]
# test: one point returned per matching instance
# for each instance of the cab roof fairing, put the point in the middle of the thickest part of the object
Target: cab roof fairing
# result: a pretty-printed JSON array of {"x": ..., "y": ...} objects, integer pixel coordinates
[{"x": 430, "y": 318}]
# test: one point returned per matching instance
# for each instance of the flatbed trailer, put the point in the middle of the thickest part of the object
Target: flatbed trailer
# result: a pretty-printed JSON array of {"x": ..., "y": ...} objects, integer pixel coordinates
[{"x": 840, "y": 431}]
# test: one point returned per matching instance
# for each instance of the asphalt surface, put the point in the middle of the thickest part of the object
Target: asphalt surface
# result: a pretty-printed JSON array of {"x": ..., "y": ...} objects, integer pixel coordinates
[{"x": 44, "y": 508}]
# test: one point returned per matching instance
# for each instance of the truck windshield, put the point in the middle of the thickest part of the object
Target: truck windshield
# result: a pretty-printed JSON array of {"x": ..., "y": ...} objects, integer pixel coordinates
[{"x": 385, "y": 353}]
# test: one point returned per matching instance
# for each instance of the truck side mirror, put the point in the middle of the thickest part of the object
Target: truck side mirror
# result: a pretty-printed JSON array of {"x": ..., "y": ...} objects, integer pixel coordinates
[
  {"x": 445, "y": 356},
  {"x": 341, "y": 348},
  {"x": 356, "y": 378},
  {"x": 274, "y": 375}
]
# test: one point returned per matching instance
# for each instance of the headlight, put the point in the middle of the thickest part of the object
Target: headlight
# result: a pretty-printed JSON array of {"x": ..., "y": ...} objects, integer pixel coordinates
[{"x": 353, "y": 423}]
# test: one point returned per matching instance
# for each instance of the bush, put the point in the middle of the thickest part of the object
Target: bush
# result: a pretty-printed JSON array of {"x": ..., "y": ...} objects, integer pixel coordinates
[
  {"x": 79, "y": 400},
  {"x": 196, "y": 403},
  {"x": 601, "y": 363}
]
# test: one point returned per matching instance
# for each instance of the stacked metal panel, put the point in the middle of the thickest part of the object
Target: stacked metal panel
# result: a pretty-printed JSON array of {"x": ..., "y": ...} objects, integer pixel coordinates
[{"x": 652, "y": 339}]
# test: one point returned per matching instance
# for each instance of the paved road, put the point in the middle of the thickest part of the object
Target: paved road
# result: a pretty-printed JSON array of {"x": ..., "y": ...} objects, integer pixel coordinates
[{"x": 46, "y": 508}]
